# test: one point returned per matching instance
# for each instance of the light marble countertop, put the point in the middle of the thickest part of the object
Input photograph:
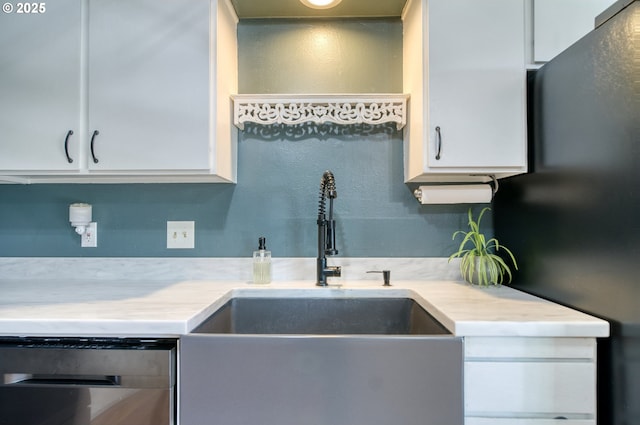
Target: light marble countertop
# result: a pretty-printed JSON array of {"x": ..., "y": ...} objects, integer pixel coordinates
[{"x": 135, "y": 304}]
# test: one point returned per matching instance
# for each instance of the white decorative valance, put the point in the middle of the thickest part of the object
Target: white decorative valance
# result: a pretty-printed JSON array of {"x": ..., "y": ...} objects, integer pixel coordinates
[{"x": 372, "y": 109}]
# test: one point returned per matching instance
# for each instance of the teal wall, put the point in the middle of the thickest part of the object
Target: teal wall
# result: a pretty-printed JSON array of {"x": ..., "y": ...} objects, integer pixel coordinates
[
  {"x": 279, "y": 171},
  {"x": 320, "y": 56}
]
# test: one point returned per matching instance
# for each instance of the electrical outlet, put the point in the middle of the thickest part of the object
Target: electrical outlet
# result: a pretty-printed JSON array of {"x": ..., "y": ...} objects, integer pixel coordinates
[
  {"x": 89, "y": 239},
  {"x": 181, "y": 234}
]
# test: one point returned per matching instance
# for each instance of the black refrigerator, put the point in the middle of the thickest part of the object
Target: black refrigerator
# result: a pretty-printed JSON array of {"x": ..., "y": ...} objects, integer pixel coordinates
[{"x": 574, "y": 220}]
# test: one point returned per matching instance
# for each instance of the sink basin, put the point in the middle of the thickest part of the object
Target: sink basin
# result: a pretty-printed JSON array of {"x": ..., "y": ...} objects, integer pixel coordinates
[
  {"x": 322, "y": 316},
  {"x": 282, "y": 360}
]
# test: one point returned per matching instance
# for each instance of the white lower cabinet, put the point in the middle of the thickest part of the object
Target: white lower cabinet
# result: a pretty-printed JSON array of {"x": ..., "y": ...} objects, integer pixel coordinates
[{"x": 530, "y": 381}]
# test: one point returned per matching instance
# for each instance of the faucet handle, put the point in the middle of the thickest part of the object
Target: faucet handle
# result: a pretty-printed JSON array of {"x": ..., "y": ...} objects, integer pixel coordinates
[{"x": 386, "y": 276}]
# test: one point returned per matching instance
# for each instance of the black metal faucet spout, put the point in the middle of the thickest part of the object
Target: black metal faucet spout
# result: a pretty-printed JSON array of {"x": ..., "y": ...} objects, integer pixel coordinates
[{"x": 326, "y": 230}]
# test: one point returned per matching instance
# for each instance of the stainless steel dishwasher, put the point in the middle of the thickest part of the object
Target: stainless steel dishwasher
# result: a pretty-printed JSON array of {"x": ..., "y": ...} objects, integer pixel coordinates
[{"x": 64, "y": 381}]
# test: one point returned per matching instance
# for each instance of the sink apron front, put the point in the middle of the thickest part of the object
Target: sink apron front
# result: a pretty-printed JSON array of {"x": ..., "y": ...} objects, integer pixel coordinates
[{"x": 320, "y": 379}]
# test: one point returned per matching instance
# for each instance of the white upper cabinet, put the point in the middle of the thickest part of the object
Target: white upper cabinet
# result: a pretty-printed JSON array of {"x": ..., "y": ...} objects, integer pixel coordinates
[
  {"x": 144, "y": 91},
  {"x": 464, "y": 67},
  {"x": 557, "y": 24},
  {"x": 40, "y": 88},
  {"x": 149, "y": 84}
]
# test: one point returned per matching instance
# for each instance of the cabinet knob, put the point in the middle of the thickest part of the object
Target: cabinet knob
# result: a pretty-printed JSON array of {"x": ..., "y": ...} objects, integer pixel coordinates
[
  {"x": 93, "y": 139},
  {"x": 66, "y": 146}
]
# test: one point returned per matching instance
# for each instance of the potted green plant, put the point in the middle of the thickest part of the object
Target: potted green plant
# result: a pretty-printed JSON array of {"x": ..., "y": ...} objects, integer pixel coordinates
[{"x": 479, "y": 262}]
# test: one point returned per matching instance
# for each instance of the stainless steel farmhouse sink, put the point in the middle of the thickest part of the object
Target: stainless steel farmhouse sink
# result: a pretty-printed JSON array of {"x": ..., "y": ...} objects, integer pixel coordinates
[
  {"x": 321, "y": 361},
  {"x": 322, "y": 316}
]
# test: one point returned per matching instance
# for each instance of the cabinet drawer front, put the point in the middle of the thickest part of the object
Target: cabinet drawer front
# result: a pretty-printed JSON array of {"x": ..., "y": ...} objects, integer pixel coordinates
[
  {"x": 512, "y": 421},
  {"x": 555, "y": 388},
  {"x": 529, "y": 348}
]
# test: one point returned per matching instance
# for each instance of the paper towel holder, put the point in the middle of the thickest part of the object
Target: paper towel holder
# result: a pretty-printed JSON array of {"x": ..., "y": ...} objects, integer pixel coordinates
[{"x": 493, "y": 183}]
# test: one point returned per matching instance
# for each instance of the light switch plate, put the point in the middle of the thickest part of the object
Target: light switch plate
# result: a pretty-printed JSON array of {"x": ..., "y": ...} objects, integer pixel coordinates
[{"x": 181, "y": 234}]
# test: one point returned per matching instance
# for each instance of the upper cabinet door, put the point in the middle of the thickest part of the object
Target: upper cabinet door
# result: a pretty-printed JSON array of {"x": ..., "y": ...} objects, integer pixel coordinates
[
  {"x": 557, "y": 24},
  {"x": 465, "y": 71},
  {"x": 40, "y": 86},
  {"x": 149, "y": 91},
  {"x": 476, "y": 77}
]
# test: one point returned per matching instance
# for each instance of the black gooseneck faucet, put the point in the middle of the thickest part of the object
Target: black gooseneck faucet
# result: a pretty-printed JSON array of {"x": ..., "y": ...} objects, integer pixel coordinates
[{"x": 326, "y": 230}]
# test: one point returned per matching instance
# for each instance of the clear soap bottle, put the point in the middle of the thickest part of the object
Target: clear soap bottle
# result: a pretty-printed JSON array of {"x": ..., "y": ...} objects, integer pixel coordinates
[{"x": 261, "y": 263}]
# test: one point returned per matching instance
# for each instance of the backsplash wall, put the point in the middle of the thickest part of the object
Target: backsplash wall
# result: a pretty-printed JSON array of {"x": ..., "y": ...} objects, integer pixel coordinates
[
  {"x": 279, "y": 173},
  {"x": 276, "y": 196}
]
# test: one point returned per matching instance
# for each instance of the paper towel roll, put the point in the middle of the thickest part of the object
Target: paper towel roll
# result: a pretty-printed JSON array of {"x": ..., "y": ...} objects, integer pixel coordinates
[{"x": 455, "y": 194}]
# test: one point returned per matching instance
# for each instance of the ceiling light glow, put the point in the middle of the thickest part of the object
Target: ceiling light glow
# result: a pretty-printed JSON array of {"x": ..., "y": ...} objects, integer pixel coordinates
[{"x": 320, "y": 4}]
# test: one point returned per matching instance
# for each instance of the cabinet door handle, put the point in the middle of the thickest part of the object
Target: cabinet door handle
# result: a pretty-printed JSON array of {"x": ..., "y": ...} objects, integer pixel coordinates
[
  {"x": 66, "y": 146},
  {"x": 93, "y": 139},
  {"x": 438, "y": 143}
]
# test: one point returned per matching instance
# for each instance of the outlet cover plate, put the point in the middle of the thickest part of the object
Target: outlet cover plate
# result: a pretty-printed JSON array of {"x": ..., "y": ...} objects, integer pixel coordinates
[
  {"x": 89, "y": 239},
  {"x": 181, "y": 234}
]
